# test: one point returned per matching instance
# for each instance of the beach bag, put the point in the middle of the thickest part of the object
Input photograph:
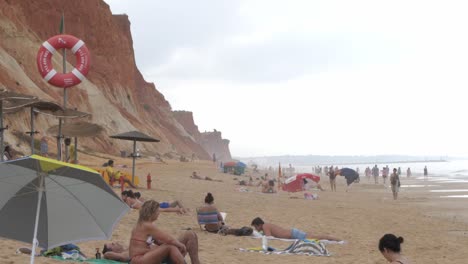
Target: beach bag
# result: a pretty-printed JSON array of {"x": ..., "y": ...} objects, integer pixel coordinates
[{"x": 243, "y": 231}]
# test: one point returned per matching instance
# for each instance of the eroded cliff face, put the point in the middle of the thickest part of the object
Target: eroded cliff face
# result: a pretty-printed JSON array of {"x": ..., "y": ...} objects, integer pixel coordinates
[
  {"x": 115, "y": 92},
  {"x": 214, "y": 143},
  {"x": 211, "y": 142}
]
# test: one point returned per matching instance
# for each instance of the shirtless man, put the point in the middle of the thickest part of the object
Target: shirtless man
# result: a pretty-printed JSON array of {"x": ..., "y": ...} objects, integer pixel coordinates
[{"x": 279, "y": 232}]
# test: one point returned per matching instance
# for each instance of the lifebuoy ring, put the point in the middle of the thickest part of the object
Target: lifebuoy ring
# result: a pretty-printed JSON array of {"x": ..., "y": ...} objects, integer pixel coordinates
[{"x": 44, "y": 60}]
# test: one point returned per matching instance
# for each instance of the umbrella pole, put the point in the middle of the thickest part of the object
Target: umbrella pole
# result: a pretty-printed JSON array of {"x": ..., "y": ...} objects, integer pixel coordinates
[
  {"x": 76, "y": 150},
  {"x": 38, "y": 211},
  {"x": 134, "y": 157},
  {"x": 1, "y": 132},
  {"x": 32, "y": 131}
]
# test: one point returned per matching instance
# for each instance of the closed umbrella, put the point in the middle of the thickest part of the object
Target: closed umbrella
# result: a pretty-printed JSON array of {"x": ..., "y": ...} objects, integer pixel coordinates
[
  {"x": 52, "y": 203},
  {"x": 134, "y": 136}
]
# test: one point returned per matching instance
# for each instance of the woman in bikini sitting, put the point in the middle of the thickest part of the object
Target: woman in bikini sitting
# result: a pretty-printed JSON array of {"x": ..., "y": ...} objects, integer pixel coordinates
[
  {"x": 390, "y": 247},
  {"x": 149, "y": 244}
]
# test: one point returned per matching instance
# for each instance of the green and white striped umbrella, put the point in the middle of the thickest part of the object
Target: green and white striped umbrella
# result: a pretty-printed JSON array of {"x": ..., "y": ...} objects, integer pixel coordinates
[{"x": 52, "y": 203}]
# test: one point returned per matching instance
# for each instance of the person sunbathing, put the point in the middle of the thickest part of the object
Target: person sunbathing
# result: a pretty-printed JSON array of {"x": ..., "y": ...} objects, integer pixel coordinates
[
  {"x": 115, "y": 175},
  {"x": 280, "y": 232},
  {"x": 268, "y": 186},
  {"x": 206, "y": 178},
  {"x": 134, "y": 200},
  {"x": 210, "y": 207},
  {"x": 138, "y": 196},
  {"x": 149, "y": 244},
  {"x": 245, "y": 183},
  {"x": 173, "y": 207}
]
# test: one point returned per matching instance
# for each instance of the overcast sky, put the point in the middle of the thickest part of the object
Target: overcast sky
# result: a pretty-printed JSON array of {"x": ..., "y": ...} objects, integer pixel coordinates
[{"x": 311, "y": 77}]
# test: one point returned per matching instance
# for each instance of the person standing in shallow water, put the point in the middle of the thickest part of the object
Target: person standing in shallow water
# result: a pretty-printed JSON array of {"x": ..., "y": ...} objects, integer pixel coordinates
[
  {"x": 332, "y": 177},
  {"x": 425, "y": 172}
]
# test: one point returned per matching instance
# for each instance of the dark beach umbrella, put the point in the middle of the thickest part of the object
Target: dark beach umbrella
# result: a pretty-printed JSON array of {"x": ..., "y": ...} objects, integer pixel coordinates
[
  {"x": 67, "y": 114},
  {"x": 76, "y": 130},
  {"x": 5, "y": 97},
  {"x": 134, "y": 136},
  {"x": 350, "y": 175}
]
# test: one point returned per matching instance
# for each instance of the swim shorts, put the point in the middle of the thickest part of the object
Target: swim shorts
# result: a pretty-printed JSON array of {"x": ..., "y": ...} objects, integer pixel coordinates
[
  {"x": 164, "y": 205},
  {"x": 298, "y": 234}
]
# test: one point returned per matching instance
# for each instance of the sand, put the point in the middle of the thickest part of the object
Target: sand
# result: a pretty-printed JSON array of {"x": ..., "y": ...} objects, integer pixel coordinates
[{"x": 435, "y": 229}]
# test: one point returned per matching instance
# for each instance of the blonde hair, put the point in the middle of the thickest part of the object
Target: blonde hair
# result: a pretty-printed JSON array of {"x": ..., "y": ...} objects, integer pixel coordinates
[{"x": 147, "y": 210}]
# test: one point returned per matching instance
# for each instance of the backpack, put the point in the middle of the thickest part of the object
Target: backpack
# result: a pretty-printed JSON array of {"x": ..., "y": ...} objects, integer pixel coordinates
[{"x": 244, "y": 231}]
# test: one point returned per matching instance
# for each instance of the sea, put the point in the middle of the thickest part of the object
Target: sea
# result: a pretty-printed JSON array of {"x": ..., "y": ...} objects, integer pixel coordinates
[
  {"x": 441, "y": 175},
  {"x": 451, "y": 171}
]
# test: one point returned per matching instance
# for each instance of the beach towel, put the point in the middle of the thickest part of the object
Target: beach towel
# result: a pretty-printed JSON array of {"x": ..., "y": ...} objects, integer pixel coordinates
[
  {"x": 298, "y": 247},
  {"x": 91, "y": 261},
  {"x": 257, "y": 234}
]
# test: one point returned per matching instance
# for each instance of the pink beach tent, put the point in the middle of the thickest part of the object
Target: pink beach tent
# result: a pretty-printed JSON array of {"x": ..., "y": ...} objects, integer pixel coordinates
[{"x": 296, "y": 183}]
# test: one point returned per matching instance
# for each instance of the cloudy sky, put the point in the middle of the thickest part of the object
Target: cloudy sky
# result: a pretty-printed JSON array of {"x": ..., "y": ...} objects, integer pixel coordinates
[{"x": 311, "y": 77}]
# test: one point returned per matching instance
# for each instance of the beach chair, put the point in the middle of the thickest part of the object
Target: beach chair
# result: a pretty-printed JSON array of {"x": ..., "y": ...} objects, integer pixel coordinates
[
  {"x": 128, "y": 176},
  {"x": 208, "y": 217}
]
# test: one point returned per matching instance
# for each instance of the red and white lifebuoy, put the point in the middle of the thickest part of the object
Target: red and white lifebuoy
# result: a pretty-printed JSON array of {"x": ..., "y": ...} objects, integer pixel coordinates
[{"x": 44, "y": 61}]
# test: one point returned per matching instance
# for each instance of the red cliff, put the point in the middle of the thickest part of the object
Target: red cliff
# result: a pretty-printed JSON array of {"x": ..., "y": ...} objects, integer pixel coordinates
[
  {"x": 213, "y": 143},
  {"x": 115, "y": 92}
]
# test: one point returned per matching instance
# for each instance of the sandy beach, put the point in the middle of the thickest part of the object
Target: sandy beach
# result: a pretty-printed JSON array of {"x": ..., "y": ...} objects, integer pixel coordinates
[{"x": 435, "y": 229}]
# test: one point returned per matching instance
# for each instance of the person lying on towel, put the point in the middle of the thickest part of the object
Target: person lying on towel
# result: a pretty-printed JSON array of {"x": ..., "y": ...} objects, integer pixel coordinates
[{"x": 279, "y": 232}]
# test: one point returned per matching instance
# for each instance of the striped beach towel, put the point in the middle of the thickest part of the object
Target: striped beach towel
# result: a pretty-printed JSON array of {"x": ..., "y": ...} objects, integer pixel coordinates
[{"x": 298, "y": 247}]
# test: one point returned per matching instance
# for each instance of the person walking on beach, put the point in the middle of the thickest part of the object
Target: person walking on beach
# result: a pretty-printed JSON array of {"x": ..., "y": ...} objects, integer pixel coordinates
[
  {"x": 395, "y": 183},
  {"x": 375, "y": 173},
  {"x": 332, "y": 177},
  {"x": 390, "y": 247},
  {"x": 425, "y": 172},
  {"x": 408, "y": 172},
  {"x": 367, "y": 172},
  {"x": 384, "y": 175},
  {"x": 280, "y": 232}
]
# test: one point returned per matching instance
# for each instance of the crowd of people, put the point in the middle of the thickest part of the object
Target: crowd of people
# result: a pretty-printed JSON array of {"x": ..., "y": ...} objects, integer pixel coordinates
[{"x": 149, "y": 244}]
